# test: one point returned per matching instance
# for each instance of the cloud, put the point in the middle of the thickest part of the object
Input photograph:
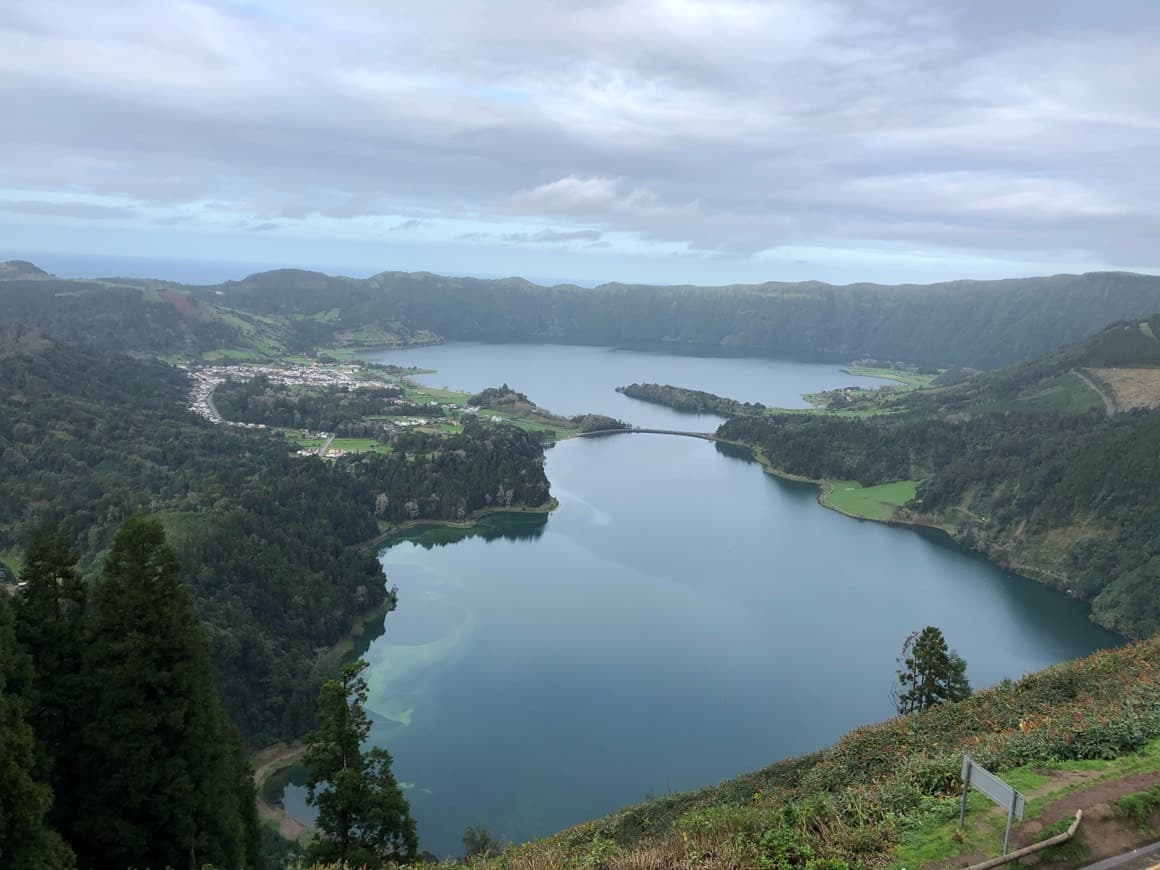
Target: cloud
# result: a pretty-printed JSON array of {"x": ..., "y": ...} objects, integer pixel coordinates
[
  {"x": 85, "y": 210},
  {"x": 578, "y": 196},
  {"x": 724, "y": 128},
  {"x": 541, "y": 237},
  {"x": 547, "y": 236},
  {"x": 263, "y": 227}
]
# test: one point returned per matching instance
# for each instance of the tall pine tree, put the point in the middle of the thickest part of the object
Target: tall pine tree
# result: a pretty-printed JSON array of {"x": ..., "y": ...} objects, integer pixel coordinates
[
  {"x": 363, "y": 818},
  {"x": 928, "y": 673},
  {"x": 50, "y": 614},
  {"x": 26, "y": 840},
  {"x": 164, "y": 783}
]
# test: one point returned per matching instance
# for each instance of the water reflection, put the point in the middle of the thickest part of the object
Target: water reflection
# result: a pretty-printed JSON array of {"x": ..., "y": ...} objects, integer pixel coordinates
[{"x": 507, "y": 526}]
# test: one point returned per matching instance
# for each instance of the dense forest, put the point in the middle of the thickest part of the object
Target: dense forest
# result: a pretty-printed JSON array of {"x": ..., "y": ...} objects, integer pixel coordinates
[
  {"x": 270, "y": 544},
  {"x": 114, "y": 747},
  {"x": 690, "y": 401},
  {"x": 1013, "y": 466},
  {"x": 982, "y": 324}
]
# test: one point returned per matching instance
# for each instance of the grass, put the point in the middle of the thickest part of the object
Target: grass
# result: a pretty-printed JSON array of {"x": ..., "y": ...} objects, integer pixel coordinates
[
  {"x": 935, "y": 836},
  {"x": 306, "y": 442},
  {"x": 1066, "y": 394},
  {"x": 910, "y": 379},
  {"x": 868, "y": 502},
  {"x": 558, "y": 432},
  {"x": 229, "y": 353},
  {"x": 1139, "y": 807},
  {"x": 11, "y": 563},
  {"x": 416, "y": 392},
  {"x": 1146, "y": 328},
  {"x": 329, "y": 316},
  {"x": 360, "y": 445}
]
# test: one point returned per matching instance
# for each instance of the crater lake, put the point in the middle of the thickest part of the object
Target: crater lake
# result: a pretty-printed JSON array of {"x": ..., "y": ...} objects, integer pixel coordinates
[{"x": 682, "y": 617}]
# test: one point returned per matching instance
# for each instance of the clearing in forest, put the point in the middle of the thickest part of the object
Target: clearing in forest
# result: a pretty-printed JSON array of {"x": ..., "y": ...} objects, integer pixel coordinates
[{"x": 1130, "y": 388}]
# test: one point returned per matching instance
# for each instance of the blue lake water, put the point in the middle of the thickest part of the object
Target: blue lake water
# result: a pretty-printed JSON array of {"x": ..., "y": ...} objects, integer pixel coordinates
[{"x": 682, "y": 617}]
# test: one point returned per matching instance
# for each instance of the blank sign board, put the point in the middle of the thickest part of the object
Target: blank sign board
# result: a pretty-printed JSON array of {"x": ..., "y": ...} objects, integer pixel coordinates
[{"x": 981, "y": 779}]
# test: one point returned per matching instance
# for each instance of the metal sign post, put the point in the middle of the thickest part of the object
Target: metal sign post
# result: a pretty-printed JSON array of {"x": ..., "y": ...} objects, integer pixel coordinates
[{"x": 978, "y": 777}]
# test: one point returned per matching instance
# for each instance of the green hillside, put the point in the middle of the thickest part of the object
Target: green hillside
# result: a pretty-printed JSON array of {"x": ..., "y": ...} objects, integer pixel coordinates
[
  {"x": 976, "y": 323},
  {"x": 272, "y": 545},
  {"x": 888, "y": 794},
  {"x": 980, "y": 324},
  {"x": 1022, "y": 464}
]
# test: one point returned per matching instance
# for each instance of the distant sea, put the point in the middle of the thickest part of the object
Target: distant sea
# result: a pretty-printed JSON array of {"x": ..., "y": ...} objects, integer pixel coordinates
[{"x": 206, "y": 271}]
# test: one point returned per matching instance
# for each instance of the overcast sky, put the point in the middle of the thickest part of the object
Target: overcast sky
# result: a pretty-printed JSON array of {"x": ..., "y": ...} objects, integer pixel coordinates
[{"x": 644, "y": 140}]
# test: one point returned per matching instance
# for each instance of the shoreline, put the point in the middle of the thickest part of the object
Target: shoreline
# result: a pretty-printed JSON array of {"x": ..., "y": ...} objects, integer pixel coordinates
[
  {"x": 903, "y": 519},
  {"x": 268, "y": 762},
  {"x": 273, "y": 759},
  {"x": 469, "y": 523}
]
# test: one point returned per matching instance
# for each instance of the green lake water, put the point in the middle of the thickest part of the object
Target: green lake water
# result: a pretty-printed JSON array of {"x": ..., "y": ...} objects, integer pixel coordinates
[{"x": 681, "y": 618}]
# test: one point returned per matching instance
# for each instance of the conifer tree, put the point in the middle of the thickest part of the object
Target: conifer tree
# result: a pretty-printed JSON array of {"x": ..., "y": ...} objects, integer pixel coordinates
[
  {"x": 928, "y": 673},
  {"x": 163, "y": 783},
  {"x": 26, "y": 840},
  {"x": 50, "y": 613},
  {"x": 363, "y": 818}
]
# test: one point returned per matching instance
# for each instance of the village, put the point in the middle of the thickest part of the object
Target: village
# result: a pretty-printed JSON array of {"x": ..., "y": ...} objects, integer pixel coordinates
[{"x": 206, "y": 379}]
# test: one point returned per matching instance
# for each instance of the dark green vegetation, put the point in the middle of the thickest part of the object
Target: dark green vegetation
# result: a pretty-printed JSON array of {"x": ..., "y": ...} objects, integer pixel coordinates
[
  {"x": 138, "y": 765},
  {"x": 329, "y": 408},
  {"x": 270, "y": 544},
  {"x": 692, "y": 401},
  {"x": 1021, "y": 464},
  {"x": 970, "y": 323},
  {"x": 363, "y": 818},
  {"x": 26, "y": 840},
  {"x": 928, "y": 673},
  {"x": 507, "y": 401},
  {"x": 888, "y": 793}
]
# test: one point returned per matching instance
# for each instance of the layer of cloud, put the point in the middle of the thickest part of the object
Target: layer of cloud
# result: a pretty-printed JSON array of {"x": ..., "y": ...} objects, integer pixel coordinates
[
  {"x": 66, "y": 209},
  {"x": 712, "y": 127}
]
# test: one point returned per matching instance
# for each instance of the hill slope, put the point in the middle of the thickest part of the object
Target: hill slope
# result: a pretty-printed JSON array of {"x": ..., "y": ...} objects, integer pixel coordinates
[
  {"x": 271, "y": 544},
  {"x": 981, "y": 324},
  {"x": 888, "y": 793},
  {"x": 1022, "y": 464}
]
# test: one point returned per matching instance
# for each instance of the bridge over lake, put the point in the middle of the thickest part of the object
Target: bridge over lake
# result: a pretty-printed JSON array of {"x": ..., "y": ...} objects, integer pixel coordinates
[{"x": 637, "y": 430}]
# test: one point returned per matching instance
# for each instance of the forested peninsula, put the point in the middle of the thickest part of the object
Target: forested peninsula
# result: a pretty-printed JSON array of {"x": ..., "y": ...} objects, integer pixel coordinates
[{"x": 689, "y": 401}]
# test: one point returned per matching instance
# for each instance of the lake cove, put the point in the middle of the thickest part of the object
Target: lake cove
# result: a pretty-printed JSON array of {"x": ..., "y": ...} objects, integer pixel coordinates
[{"x": 681, "y": 618}]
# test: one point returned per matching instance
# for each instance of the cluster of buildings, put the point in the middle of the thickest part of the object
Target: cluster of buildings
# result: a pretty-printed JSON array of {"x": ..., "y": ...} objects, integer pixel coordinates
[{"x": 206, "y": 379}]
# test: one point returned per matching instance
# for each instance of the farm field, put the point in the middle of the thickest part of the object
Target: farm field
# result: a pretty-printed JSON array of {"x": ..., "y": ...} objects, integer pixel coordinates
[{"x": 870, "y": 502}]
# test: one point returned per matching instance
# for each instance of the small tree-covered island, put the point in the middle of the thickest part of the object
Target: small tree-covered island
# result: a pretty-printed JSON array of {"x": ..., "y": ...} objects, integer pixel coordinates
[{"x": 199, "y": 481}]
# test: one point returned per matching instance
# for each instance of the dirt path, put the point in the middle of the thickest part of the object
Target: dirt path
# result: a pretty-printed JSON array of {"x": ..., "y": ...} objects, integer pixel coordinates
[
  {"x": 1102, "y": 829},
  {"x": 267, "y": 762},
  {"x": 1109, "y": 402},
  {"x": 1100, "y": 793}
]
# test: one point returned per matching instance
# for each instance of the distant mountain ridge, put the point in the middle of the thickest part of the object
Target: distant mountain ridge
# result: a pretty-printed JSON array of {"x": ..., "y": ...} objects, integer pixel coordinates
[
  {"x": 21, "y": 269},
  {"x": 980, "y": 324}
]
